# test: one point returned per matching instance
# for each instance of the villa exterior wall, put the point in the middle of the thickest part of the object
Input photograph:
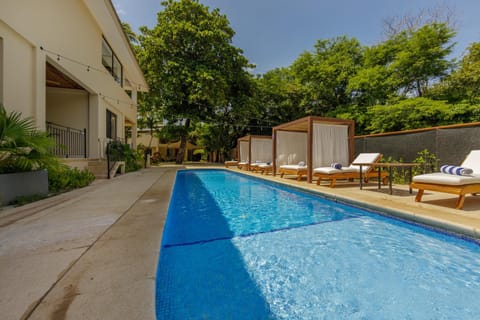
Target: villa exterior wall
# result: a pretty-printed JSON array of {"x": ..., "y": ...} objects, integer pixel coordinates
[
  {"x": 76, "y": 115},
  {"x": 18, "y": 60},
  {"x": 68, "y": 36}
]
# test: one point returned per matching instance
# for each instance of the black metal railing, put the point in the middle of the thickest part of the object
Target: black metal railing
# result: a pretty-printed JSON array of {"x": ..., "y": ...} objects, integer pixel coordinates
[
  {"x": 115, "y": 152},
  {"x": 70, "y": 142}
]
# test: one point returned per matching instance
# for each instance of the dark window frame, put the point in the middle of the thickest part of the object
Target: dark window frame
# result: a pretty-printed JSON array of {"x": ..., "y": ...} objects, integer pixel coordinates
[
  {"x": 111, "y": 125},
  {"x": 112, "y": 63}
]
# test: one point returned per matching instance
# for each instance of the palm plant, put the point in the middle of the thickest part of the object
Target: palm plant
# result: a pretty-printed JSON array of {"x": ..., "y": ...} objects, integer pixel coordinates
[{"x": 22, "y": 146}]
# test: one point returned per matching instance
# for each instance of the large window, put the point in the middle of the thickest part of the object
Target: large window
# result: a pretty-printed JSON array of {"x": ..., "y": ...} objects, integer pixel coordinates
[
  {"x": 111, "y": 62},
  {"x": 111, "y": 125}
]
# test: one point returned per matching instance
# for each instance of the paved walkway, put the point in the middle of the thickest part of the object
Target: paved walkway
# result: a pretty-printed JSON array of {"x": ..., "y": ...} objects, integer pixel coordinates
[
  {"x": 87, "y": 254},
  {"x": 92, "y": 253}
]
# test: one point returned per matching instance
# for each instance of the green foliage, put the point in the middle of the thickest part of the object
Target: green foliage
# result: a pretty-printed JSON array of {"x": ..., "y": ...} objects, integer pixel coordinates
[
  {"x": 464, "y": 82},
  {"x": 325, "y": 72},
  {"x": 22, "y": 147},
  {"x": 64, "y": 178},
  {"x": 191, "y": 66},
  {"x": 422, "y": 57},
  {"x": 427, "y": 161},
  {"x": 280, "y": 97},
  {"x": 418, "y": 113},
  {"x": 119, "y": 151},
  {"x": 133, "y": 159}
]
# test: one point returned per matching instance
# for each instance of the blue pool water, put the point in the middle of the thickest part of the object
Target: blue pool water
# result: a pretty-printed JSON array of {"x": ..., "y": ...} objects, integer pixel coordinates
[{"x": 236, "y": 247}]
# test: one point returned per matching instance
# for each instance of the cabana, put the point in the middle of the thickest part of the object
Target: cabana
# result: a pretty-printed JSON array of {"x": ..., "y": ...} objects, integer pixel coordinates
[
  {"x": 315, "y": 141},
  {"x": 254, "y": 149}
]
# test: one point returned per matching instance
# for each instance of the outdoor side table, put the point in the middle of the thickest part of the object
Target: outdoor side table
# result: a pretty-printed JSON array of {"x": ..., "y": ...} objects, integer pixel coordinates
[{"x": 388, "y": 166}]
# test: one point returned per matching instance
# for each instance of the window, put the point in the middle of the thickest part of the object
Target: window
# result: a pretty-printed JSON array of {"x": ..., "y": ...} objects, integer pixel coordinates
[
  {"x": 111, "y": 62},
  {"x": 111, "y": 125}
]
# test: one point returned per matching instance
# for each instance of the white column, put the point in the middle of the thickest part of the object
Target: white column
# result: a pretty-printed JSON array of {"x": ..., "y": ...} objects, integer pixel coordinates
[
  {"x": 95, "y": 137},
  {"x": 134, "y": 125}
]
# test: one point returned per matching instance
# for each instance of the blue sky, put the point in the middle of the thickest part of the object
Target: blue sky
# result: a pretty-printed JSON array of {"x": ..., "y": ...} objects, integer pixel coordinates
[{"x": 273, "y": 33}]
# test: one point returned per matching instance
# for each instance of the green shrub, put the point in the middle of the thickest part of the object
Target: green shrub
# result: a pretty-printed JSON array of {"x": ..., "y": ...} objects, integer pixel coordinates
[
  {"x": 133, "y": 159},
  {"x": 119, "y": 151},
  {"x": 427, "y": 161},
  {"x": 64, "y": 178}
]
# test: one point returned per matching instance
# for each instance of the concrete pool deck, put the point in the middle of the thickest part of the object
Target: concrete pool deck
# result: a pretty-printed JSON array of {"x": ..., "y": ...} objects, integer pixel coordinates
[{"x": 92, "y": 253}]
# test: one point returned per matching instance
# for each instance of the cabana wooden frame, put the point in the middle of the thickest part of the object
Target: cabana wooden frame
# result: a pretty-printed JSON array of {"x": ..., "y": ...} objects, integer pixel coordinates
[
  {"x": 248, "y": 139},
  {"x": 306, "y": 125}
]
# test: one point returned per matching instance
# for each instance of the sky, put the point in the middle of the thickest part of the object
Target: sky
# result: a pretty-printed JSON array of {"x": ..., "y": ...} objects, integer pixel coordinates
[{"x": 273, "y": 33}]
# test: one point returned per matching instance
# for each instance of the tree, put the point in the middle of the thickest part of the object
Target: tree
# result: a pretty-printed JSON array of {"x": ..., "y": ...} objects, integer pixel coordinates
[
  {"x": 280, "y": 97},
  {"x": 190, "y": 64},
  {"x": 464, "y": 83},
  {"x": 325, "y": 72},
  {"x": 423, "y": 57},
  {"x": 374, "y": 82}
]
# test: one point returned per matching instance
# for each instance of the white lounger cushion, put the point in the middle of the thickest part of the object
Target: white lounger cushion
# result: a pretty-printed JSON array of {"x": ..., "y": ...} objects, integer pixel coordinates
[
  {"x": 447, "y": 179},
  {"x": 364, "y": 158},
  {"x": 361, "y": 158},
  {"x": 264, "y": 165},
  {"x": 472, "y": 161},
  {"x": 330, "y": 170},
  {"x": 293, "y": 167}
]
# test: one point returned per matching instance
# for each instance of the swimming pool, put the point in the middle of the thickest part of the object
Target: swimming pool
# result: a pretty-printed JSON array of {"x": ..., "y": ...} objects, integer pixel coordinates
[{"x": 236, "y": 247}]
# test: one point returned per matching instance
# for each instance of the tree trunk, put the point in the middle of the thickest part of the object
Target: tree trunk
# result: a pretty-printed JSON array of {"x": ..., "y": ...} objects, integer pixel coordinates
[{"x": 183, "y": 143}]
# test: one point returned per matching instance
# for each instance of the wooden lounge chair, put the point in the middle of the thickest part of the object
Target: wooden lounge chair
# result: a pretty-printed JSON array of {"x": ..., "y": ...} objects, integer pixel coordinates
[
  {"x": 299, "y": 170},
  {"x": 451, "y": 183},
  {"x": 243, "y": 165},
  {"x": 352, "y": 171},
  {"x": 256, "y": 166},
  {"x": 265, "y": 168},
  {"x": 230, "y": 163}
]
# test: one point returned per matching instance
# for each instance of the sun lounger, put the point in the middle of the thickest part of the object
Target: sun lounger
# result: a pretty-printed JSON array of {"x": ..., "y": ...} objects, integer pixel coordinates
[
  {"x": 451, "y": 183},
  {"x": 264, "y": 168},
  {"x": 352, "y": 171},
  {"x": 299, "y": 170},
  {"x": 259, "y": 166},
  {"x": 231, "y": 163},
  {"x": 243, "y": 165}
]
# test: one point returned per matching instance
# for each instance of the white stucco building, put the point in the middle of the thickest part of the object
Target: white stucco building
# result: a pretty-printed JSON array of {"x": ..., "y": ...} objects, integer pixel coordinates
[{"x": 69, "y": 65}]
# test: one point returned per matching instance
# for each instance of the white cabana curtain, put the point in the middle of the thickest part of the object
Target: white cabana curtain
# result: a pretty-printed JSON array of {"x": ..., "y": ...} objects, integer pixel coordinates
[
  {"x": 243, "y": 151},
  {"x": 330, "y": 144},
  {"x": 291, "y": 147},
  {"x": 261, "y": 150}
]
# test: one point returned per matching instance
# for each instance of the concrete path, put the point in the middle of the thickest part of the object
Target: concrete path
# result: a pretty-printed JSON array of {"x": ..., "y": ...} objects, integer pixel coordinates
[{"x": 87, "y": 254}]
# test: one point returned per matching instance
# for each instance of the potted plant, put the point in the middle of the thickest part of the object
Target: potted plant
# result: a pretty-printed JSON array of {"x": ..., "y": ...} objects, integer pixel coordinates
[{"x": 24, "y": 157}]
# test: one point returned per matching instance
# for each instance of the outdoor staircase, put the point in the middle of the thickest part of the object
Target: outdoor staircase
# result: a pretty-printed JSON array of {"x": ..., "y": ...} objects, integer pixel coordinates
[{"x": 98, "y": 167}]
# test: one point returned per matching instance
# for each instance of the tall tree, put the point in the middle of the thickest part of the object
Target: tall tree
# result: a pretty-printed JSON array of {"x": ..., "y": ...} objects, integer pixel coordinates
[
  {"x": 191, "y": 65},
  {"x": 280, "y": 97},
  {"x": 374, "y": 82},
  {"x": 325, "y": 72},
  {"x": 423, "y": 57},
  {"x": 464, "y": 83}
]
